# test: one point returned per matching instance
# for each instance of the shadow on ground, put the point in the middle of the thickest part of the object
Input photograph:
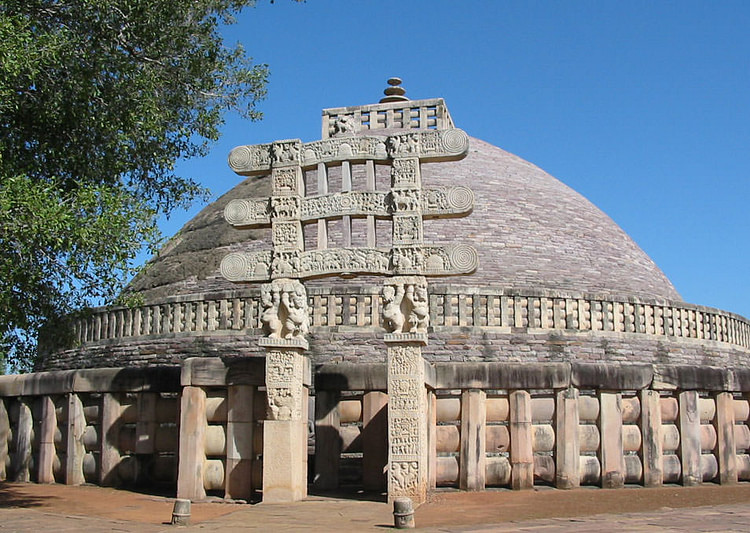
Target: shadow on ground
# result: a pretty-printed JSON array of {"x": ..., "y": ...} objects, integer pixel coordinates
[{"x": 14, "y": 495}]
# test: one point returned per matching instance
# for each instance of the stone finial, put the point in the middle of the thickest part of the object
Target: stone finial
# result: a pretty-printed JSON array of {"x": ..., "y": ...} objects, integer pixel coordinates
[{"x": 394, "y": 93}]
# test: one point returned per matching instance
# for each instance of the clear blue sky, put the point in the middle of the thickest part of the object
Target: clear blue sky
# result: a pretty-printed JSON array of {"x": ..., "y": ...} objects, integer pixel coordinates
[{"x": 642, "y": 107}]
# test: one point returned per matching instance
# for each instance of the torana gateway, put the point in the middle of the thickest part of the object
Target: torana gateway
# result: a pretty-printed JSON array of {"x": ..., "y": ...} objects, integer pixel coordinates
[{"x": 394, "y": 308}]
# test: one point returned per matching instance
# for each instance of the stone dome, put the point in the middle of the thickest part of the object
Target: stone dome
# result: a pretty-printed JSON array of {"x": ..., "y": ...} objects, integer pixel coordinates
[{"x": 531, "y": 232}]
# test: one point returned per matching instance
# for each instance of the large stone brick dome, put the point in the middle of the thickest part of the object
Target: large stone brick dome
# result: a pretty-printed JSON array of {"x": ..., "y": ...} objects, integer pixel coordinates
[{"x": 531, "y": 231}]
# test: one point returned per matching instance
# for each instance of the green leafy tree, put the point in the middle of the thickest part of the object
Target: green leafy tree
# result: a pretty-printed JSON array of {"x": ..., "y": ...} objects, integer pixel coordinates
[{"x": 98, "y": 100}]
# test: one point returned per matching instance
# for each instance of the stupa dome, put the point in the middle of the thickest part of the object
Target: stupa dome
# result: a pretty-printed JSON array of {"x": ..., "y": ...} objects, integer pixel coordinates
[{"x": 530, "y": 229}]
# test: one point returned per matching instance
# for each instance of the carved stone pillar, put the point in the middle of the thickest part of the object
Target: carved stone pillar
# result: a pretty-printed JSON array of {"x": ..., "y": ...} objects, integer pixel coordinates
[
  {"x": 406, "y": 318},
  {"x": 285, "y": 428},
  {"x": 285, "y": 319},
  {"x": 407, "y": 421}
]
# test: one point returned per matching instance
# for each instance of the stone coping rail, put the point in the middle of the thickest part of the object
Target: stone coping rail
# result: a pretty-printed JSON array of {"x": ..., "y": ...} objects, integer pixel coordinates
[
  {"x": 212, "y": 372},
  {"x": 483, "y": 309}
]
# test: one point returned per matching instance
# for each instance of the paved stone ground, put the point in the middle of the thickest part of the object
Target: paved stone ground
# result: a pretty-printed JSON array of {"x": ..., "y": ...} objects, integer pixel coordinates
[{"x": 28, "y": 507}]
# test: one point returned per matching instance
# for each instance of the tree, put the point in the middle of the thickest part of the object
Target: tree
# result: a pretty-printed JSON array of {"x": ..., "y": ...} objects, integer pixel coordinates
[{"x": 98, "y": 100}]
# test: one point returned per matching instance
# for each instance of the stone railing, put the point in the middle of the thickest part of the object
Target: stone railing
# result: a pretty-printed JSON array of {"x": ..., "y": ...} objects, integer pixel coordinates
[
  {"x": 410, "y": 114},
  {"x": 570, "y": 424},
  {"x": 558, "y": 311},
  {"x": 450, "y": 307}
]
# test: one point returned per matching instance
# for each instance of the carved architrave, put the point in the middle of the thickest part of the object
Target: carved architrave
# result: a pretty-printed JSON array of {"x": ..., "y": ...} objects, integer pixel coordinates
[
  {"x": 433, "y": 145},
  {"x": 331, "y": 150},
  {"x": 333, "y": 261},
  {"x": 408, "y": 259},
  {"x": 250, "y": 159},
  {"x": 447, "y": 260},
  {"x": 286, "y": 264},
  {"x": 427, "y": 260},
  {"x": 440, "y": 145},
  {"x": 248, "y": 212},
  {"x": 406, "y": 200},
  {"x": 255, "y": 266},
  {"x": 443, "y": 201},
  {"x": 347, "y": 203},
  {"x": 432, "y": 202}
]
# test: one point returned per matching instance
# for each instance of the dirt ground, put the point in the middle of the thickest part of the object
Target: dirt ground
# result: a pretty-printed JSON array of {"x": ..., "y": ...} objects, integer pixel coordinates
[
  {"x": 466, "y": 508},
  {"x": 102, "y": 502},
  {"x": 445, "y": 508}
]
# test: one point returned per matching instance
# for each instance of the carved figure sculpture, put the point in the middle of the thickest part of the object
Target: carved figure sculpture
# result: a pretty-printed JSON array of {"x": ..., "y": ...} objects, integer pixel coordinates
[
  {"x": 285, "y": 313},
  {"x": 269, "y": 297},
  {"x": 344, "y": 125},
  {"x": 419, "y": 316},
  {"x": 281, "y": 404},
  {"x": 297, "y": 318},
  {"x": 285, "y": 153},
  {"x": 394, "y": 318}
]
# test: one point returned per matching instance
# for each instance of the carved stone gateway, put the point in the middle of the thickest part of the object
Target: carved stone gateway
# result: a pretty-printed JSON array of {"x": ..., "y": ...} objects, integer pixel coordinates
[
  {"x": 406, "y": 204},
  {"x": 285, "y": 314}
]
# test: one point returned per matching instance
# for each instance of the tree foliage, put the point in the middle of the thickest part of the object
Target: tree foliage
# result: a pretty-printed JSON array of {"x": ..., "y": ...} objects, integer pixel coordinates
[{"x": 98, "y": 100}]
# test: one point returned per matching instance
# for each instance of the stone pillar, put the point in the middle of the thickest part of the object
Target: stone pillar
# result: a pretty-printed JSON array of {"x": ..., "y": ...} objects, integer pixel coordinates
[
  {"x": 407, "y": 418},
  {"x": 472, "y": 454},
  {"x": 690, "y": 438},
  {"x": 22, "y": 443},
  {"x": 568, "y": 450},
  {"x": 75, "y": 448},
  {"x": 240, "y": 425},
  {"x": 651, "y": 436},
  {"x": 110, "y": 433},
  {"x": 521, "y": 444},
  {"x": 285, "y": 430},
  {"x": 192, "y": 444},
  {"x": 4, "y": 436},
  {"x": 611, "y": 455},
  {"x": 724, "y": 424},
  {"x": 145, "y": 427},
  {"x": 328, "y": 440},
  {"x": 47, "y": 427},
  {"x": 374, "y": 439},
  {"x": 432, "y": 439}
]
